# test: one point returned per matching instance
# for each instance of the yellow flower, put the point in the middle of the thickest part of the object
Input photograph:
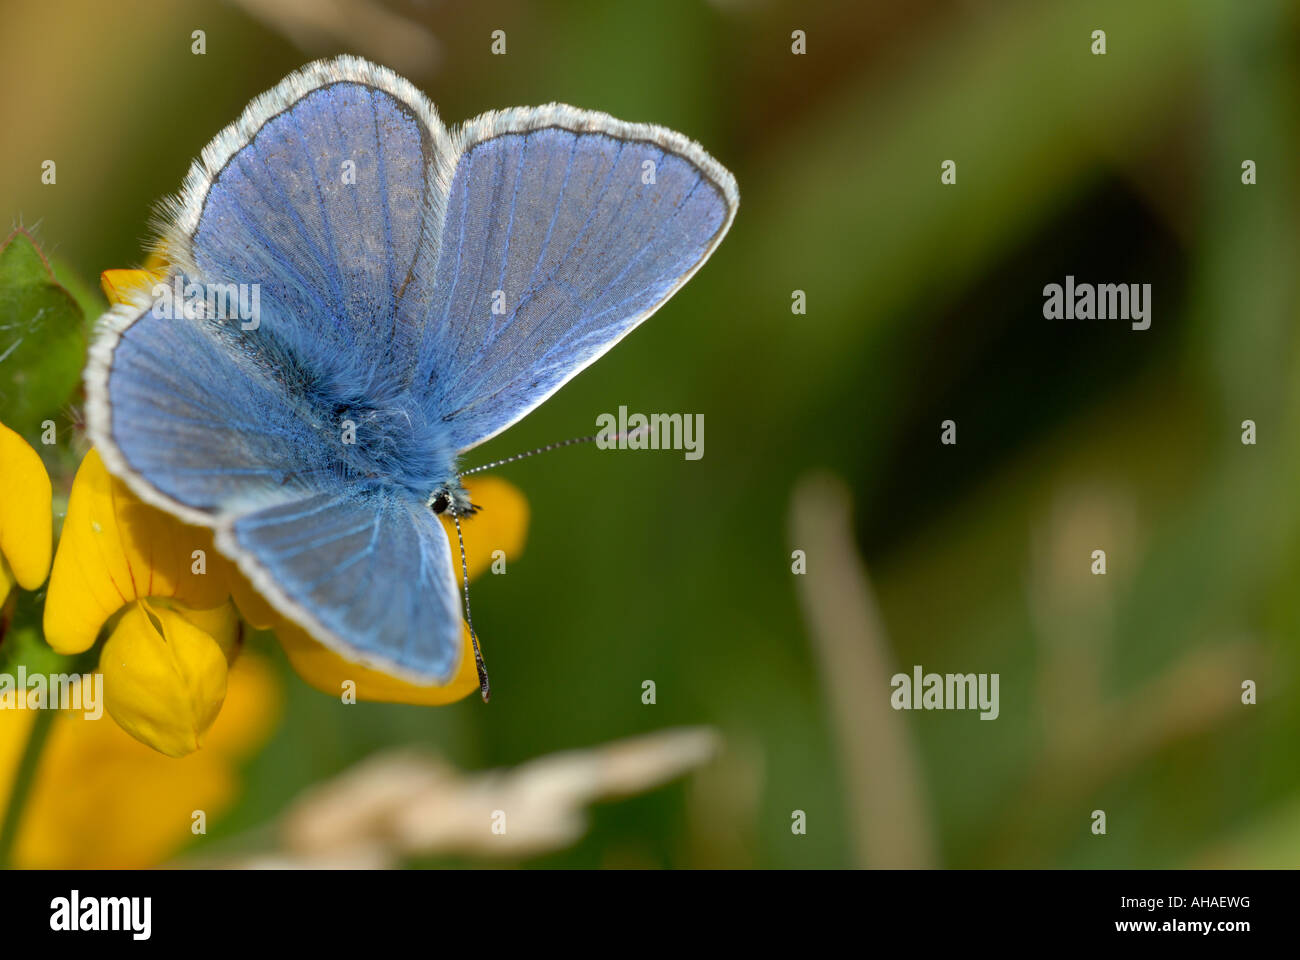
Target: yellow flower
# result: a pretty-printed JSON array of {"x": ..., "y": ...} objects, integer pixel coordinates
[
  {"x": 114, "y": 550},
  {"x": 101, "y": 800},
  {"x": 165, "y": 588},
  {"x": 167, "y": 677},
  {"x": 164, "y": 594},
  {"x": 26, "y": 517}
]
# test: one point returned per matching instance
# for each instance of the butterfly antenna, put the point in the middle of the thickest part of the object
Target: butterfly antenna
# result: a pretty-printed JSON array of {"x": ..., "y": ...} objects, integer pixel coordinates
[
  {"x": 616, "y": 437},
  {"x": 484, "y": 688}
]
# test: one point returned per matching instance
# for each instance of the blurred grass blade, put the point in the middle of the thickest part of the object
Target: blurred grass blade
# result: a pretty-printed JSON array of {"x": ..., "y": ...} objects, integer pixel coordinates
[{"x": 886, "y": 800}]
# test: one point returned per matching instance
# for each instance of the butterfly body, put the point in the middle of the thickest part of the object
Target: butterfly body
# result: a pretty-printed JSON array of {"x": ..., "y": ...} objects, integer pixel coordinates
[{"x": 419, "y": 291}]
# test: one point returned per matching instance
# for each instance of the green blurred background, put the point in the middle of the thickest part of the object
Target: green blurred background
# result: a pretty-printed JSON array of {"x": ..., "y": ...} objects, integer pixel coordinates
[{"x": 1120, "y": 692}]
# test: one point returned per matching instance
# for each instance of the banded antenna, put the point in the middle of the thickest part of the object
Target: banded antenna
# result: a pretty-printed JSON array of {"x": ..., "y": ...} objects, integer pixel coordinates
[{"x": 484, "y": 687}]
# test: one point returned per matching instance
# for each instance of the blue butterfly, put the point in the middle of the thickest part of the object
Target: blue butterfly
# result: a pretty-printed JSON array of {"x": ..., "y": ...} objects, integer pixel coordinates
[{"x": 419, "y": 290}]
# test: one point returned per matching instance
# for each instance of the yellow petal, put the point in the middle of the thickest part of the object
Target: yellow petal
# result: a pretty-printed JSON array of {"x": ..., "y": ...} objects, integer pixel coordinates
[
  {"x": 132, "y": 807},
  {"x": 125, "y": 286},
  {"x": 251, "y": 711},
  {"x": 26, "y": 515},
  {"x": 328, "y": 672},
  {"x": 252, "y": 607},
  {"x": 115, "y": 549},
  {"x": 164, "y": 678},
  {"x": 220, "y": 623},
  {"x": 15, "y": 728},
  {"x": 501, "y": 524}
]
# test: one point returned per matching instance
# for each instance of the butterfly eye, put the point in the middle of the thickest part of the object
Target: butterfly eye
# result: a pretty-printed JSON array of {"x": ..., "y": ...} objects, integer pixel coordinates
[{"x": 440, "y": 503}]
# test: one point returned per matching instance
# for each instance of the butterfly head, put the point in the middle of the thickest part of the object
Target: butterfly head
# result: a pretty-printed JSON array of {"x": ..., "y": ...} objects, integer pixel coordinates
[{"x": 451, "y": 497}]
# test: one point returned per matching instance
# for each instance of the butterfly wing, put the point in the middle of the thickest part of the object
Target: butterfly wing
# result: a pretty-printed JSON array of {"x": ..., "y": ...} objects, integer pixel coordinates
[
  {"x": 329, "y": 205},
  {"x": 376, "y": 241},
  {"x": 201, "y": 429},
  {"x": 563, "y": 230},
  {"x": 369, "y": 567},
  {"x": 221, "y": 424}
]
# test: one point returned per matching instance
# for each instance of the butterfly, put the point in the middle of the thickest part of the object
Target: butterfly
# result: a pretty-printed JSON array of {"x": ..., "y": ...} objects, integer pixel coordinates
[{"x": 418, "y": 291}]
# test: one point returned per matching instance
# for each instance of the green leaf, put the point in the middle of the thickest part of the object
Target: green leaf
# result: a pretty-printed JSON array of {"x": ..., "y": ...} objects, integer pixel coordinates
[
  {"x": 89, "y": 297},
  {"x": 42, "y": 338}
]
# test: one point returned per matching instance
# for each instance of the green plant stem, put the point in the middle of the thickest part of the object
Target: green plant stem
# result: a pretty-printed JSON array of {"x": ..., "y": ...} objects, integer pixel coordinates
[{"x": 24, "y": 778}]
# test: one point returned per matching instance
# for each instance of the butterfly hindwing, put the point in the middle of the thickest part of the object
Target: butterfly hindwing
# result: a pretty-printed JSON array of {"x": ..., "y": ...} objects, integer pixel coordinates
[{"x": 371, "y": 568}]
